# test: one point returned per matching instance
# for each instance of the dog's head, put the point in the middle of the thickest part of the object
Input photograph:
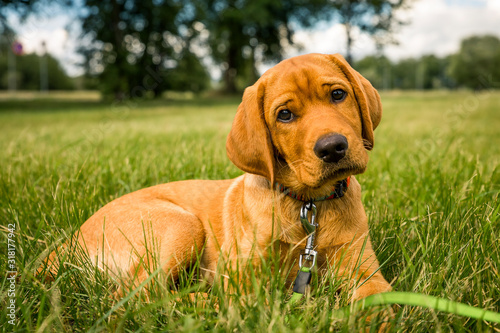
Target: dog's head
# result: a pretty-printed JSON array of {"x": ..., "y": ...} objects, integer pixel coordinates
[{"x": 306, "y": 123}]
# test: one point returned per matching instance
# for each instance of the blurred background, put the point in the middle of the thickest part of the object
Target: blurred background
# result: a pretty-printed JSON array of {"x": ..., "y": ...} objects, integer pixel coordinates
[{"x": 144, "y": 49}]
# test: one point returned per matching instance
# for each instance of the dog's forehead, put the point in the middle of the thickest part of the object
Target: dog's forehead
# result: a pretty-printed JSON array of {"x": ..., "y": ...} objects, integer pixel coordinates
[
  {"x": 310, "y": 65},
  {"x": 303, "y": 74},
  {"x": 303, "y": 71}
]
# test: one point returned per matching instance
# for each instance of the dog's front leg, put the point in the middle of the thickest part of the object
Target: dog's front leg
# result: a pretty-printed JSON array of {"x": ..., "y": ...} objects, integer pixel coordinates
[{"x": 356, "y": 263}]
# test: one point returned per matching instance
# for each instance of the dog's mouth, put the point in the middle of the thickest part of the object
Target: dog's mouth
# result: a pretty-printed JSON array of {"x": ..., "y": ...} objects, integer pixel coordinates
[
  {"x": 334, "y": 173},
  {"x": 311, "y": 179}
]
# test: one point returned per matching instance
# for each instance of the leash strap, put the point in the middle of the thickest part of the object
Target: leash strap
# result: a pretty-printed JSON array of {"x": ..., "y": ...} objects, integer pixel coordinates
[
  {"x": 302, "y": 280},
  {"x": 307, "y": 259},
  {"x": 299, "y": 286}
]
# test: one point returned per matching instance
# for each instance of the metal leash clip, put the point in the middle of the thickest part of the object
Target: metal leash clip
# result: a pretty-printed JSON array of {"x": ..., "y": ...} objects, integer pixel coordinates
[{"x": 309, "y": 254}]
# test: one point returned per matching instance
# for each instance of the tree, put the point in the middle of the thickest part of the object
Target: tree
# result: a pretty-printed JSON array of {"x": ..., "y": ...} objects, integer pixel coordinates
[
  {"x": 134, "y": 45},
  {"x": 181, "y": 77},
  {"x": 434, "y": 72},
  {"x": 27, "y": 73},
  {"x": 477, "y": 64},
  {"x": 243, "y": 32},
  {"x": 377, "y": 70},
  {"x": 21, "y": 10},
  {"x": 374, "y": 17},
  {"x": 426, "y": 72}
]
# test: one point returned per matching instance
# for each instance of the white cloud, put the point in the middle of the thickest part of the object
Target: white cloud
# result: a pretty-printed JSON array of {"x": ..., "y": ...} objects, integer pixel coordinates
[
  {"x": 493, "y": 5},
  {"x": 59, "y": 43},
  {"x": 436, "y": 27},
  {"x": 327, "y": 38},
  {"x": 55, "y": 42}
]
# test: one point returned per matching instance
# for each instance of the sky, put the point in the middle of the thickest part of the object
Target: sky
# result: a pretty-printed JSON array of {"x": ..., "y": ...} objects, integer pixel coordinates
[{"x": 435, "y": 27}]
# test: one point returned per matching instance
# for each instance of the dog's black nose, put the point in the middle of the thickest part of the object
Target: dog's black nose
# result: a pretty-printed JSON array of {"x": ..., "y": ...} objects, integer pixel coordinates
[{"x": 331, "y": 148}]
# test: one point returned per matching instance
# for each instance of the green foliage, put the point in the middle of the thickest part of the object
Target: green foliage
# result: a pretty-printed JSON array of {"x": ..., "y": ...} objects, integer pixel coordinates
[
  {"x": 27, "y": 73},
  {"x": 432, "y": 72},
  {"x": 136, "y": 49},
  {"x": 427, "y": 72},
  {"x": 376, "y": 70},
  {"x": 131, "y": 46},
  {"x": 188, "y": 75},
  {"x": 405, "y": 72},
  {"x": 477, "y": 64},
  {"x": 431, "y": 192},
  {"x": 243, "y": 31}
]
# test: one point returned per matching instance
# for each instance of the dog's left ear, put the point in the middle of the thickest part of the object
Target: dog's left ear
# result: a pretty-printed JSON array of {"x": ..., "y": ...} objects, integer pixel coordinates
[
  {"x": 249, "y": 144},
  {"x": 367, "y": 97}
]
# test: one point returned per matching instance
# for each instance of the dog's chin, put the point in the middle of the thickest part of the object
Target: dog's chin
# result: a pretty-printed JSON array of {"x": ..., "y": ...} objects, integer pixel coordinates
[
  {"x": 335, "y": 174},
  {"x": 321, "y": 183}
]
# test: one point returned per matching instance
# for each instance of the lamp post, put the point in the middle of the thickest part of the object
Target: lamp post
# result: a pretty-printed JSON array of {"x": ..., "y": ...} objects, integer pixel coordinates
[
  {"x": 44, "y": 75},
  {"x": 16, "y": 49}
]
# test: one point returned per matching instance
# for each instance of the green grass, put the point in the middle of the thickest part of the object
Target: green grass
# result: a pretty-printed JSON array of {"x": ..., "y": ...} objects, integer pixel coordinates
[{"x": 431, "y": 192}]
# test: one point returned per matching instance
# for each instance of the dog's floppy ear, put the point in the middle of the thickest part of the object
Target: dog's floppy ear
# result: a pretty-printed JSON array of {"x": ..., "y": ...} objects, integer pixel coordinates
[
  {"x": 249, "y": 144},
  {"x": 367, "y": 97}
]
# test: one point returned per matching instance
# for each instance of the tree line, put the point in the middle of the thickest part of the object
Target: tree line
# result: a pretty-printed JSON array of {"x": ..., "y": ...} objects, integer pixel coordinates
[
  {"x": 179, "y": 43},
  {"x": 27, "y": 73},
  {"x": 177, "y": 40},
  {"x": 476, "y": 66}
]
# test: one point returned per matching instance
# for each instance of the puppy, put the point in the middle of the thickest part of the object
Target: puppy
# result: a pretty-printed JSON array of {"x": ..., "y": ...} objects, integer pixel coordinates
[{"x": 301, "y": 133}]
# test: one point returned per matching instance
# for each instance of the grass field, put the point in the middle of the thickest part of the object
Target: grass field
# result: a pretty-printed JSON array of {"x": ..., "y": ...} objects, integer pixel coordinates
[{"x": 431, "y": 192}]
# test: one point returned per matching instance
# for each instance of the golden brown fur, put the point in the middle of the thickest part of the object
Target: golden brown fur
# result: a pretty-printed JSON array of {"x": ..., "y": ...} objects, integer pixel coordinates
[{"x": 232, "y": 217}]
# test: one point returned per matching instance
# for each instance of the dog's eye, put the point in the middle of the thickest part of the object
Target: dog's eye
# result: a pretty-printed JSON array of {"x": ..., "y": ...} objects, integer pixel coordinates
[
  {"x": 338, "y": 95},
  {"x": 285, "y": 116}
]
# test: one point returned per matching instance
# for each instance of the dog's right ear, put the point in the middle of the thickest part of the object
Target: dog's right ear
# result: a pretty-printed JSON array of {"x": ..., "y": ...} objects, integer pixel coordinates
[
  {"x": 249, "y": 144},
  {"x": 367, "y": 97}
]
